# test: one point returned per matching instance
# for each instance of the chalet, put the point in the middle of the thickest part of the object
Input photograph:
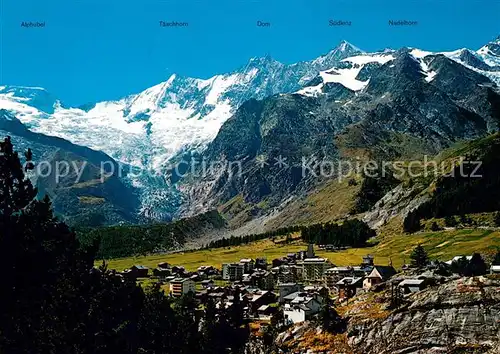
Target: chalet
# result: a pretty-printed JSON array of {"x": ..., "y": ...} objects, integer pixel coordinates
[
  {"x": 178, "y": 270},
  {"x": 261, "y": 279},
  {"x": 169, "y": 278},
  {"x": 266, "y": 310},
  {"x": 207, "y": 270},
  {"x": 320, "y": 290},
  {"x": 413, "y": 285},
  {"x": 378, "y": 275},
  {"x": 164, "y": 265},
  {"x": 298, "y": 271},
  {"x": 335, "y": 274},
  {"x": 202, "y": 296},
  {"x": 278, "y": 262},
  {"x": 161, "y": 272},
  {"x": 139, "y": 271},
  {"x": 287, "y": 289},
  {"x": 349, "y": 286},
  {"x": 260, "y": 298},
  {"x": 216, "y": 296},
  {"x": 368, "y": 261},
  {"x": 195, "y": 278},
  {"x": 261, "y": 263}
]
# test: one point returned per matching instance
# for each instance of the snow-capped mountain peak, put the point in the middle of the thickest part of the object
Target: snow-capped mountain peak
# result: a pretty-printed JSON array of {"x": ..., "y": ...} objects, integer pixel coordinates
[
  {"x": 343, "y": 50},
  {"x": 151, "y": 128},
  {"x": 36, "y": 97},
  {"x": 346, "y": 46}
]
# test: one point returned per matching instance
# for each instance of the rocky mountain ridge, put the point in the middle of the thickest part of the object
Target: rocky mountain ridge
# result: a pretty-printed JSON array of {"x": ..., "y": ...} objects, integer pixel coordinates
[
  {"x": 431, "y": 101},
  {"x": 72, "y": 177},
  {"x": 346, "y": 103}
]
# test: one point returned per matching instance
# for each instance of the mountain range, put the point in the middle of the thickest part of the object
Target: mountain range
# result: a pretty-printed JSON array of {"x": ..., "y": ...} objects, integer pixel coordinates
[{"x": 391, "y": 104}]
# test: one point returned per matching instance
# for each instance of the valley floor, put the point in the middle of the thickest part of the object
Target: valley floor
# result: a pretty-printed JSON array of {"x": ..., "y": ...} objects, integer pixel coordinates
[{"x": 442, "y": 245}]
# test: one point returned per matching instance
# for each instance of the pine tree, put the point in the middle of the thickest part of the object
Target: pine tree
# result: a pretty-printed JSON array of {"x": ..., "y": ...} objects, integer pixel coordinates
[
  {"x": 411, "y": 223},
  {"x": 330, "y": 320},
  {"x": 237, "y": 309},
  {"x": 156, "y": 320},
  {"x": 497, "y": 218},
  {"x": 42, "y": 263},
  {"x": 210, "y": 329},
  {"x": 434, "y": 226},
  {"x": 496, "y": 260},
  {"x": 450, "y": 221},
  {"x": 460, "y": 266},
  {"x": 419, "y": 257},
  {"x": 52, "y": 299},
  {"x": 476, "y": 266},
  {"x": 188, "y": 324}
]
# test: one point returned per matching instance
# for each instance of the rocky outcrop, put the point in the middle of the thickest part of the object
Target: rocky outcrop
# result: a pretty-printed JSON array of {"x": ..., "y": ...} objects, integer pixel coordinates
[
  {"x": 459, "y": 316},
  {"x": 397, "y": 202}
]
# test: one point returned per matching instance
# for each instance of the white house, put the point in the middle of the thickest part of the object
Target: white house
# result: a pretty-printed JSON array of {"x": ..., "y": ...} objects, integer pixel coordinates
[
  {"x": 302, "y": 308},
  {"x": 495, "y": 269}
]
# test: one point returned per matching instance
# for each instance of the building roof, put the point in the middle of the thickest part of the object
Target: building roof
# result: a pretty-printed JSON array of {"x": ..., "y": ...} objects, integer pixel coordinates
[
  {"x": 411, "y": 282},
  {"x": 315, "y": 260},
  {"x": 292, "y": 296},
  {"x": 257, "y": 295},
  {"x": 495, "y": 268},
  {"x": 339, "y": 269},
  {"x": 384, "y": 271},
  {"x": 180, "y": 280},
  {"x": 349, "y": 281},
  {"x": 263, "y": 308},
  {"x": 246, "y": 260},
  {"x": 160, "y": 269},
  {"x": 287, "y": 284},
  {"x": 456, "y": 258},
  {"x": 140, "y": 267}
]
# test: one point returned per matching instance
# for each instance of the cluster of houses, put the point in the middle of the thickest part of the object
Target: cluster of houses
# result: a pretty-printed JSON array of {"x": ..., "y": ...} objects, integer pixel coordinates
[{"x": 297, "y": 284}]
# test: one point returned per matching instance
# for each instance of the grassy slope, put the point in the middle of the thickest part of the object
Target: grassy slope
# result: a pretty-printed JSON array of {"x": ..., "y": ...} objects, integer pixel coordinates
[
  {"x": 441, "y": 245},
  {"x": 329, "y": 202}
]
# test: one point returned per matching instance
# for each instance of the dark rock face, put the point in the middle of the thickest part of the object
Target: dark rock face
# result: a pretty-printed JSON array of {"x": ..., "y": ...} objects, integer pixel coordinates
[
  {"x": 459, "y": 316},
  {"x": 77, "y": 191},
  {"x": 367, "y": 71},
  {"x": 470, "y": 58}
]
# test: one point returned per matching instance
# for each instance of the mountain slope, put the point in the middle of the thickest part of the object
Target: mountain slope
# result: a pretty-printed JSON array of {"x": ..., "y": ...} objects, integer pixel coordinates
[
  {"x": 400, "y": 99},
  {"x": 73, "y": 177},
  {"x": 148, "y": 128},
  {"x": 268, "y": 116}
]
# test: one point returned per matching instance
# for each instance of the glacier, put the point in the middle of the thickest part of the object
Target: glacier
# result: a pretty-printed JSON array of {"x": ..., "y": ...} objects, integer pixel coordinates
[{"x": 152, "y": 129}]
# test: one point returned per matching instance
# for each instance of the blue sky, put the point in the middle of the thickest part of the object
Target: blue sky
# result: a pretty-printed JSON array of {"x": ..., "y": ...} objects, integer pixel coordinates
[{"x": 94, "y": 50}]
